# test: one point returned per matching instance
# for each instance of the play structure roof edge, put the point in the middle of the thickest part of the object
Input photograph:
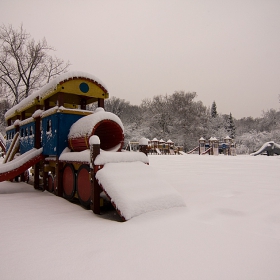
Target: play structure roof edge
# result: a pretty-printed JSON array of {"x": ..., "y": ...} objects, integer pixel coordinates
[{"x": 35, "y": 97}]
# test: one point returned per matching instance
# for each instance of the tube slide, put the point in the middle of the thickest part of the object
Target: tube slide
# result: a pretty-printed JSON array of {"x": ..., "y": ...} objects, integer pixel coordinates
[{"x": 270, "y": 147}]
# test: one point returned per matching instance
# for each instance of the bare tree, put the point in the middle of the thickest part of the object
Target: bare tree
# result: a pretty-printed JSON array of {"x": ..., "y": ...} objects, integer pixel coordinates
[
  {"x": 116, "y": 105},
  {"x": 25, "y": 65},
  {"x": 55, "y": 66}
]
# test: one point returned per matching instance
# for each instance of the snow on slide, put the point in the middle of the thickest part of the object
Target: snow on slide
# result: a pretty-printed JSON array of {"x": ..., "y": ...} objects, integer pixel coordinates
[
  {"x": 270, "y": 147},
  {"x": 135, "y": 188},
  {"x": 17, "y": 166},
  {"x": 158, "y": 151}
]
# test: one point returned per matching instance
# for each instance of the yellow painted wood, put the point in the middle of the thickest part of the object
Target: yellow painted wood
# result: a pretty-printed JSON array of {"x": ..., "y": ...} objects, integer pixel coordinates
[
  {"x": 72, "y": 96},
  {"x": 73, "y": 87}
]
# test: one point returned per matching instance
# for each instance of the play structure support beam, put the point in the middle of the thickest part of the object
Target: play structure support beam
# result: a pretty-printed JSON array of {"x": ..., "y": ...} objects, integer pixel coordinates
[
  {"x": 95, "y": 188},
  {"x": 101, "y": 102},
  {"x": 143, "y": 149},
  {"x": 143, "y": 145},
  {"x": 37, "y": 145},
  {"x": 58, "y": 177}
]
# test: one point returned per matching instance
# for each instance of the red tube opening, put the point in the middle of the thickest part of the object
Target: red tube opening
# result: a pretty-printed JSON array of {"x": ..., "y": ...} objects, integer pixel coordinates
[{"x": 109, "y": 132}]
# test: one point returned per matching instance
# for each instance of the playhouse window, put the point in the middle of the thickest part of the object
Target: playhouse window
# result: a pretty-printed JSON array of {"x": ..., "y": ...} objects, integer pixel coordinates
[{"x": 49, "y": 125}]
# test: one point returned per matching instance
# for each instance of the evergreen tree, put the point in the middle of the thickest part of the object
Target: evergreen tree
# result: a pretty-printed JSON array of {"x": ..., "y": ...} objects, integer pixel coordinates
[
  {"x": 230, "y": 126},
  {"x": 214, "y": 110}
]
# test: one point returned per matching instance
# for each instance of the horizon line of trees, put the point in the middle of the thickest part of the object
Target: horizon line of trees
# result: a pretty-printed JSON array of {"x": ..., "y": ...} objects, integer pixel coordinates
[
  {"x": 184, "y": 120},
  {"x": 27, "y": 65}
]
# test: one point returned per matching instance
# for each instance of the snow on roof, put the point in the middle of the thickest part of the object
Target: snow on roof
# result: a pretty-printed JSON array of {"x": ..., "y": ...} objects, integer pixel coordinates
[
  {"x": 26, "y": 121},
  {"x": 169, "y": 141},
  {"x": 51, "y": 86},
  {"x": 144, "y": 141},
  {"x": 161, "y": 141},
  {"x": 85, "y": 125},
  {"x": 201, "y": 139},
  {"x": 135, "y": 188},
  {"x": 37, "y": 113},
  {"x": 155, "y": 140}
]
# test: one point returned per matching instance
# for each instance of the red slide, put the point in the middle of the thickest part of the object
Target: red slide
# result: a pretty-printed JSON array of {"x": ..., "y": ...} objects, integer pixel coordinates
[
  {"x": 193, "y": 150},
  {"x": 18, "y": 165}
]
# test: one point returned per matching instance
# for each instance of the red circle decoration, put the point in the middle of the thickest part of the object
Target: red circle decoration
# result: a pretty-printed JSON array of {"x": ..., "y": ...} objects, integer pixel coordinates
[
  {"x": 84, "y": 185},
  {"x": 69, "y": 181}
]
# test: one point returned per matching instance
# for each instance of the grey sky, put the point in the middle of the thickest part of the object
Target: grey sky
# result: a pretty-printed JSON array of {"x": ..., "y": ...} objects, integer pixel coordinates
[{"x": 227, "y": 51}]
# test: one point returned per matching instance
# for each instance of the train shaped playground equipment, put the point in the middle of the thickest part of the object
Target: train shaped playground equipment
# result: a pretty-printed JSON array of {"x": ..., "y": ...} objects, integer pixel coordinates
[{"x": 68, "y": 148}]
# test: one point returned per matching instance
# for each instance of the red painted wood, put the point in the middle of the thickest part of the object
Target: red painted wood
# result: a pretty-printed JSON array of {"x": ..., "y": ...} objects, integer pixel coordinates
[
  {"x": 84, "y": 185},
  {"x": 109, "y": 132},
  {"x": 69, "y": 181},
  {"x": 17, "y": 171}
]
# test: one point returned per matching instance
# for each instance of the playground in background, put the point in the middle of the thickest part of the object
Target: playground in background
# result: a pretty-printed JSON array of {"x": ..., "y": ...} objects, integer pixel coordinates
[
  {"x": 215, "y": 147},
  {"x": 157, "y": 147}
]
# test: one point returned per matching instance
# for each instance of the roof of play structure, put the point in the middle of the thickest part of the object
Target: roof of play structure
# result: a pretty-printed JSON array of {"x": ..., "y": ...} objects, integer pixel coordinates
[{"x": 57, "y": 85}]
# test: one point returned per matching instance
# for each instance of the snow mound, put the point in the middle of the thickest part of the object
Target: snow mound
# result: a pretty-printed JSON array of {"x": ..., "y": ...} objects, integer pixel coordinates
[{"x": 135, "y": 188}]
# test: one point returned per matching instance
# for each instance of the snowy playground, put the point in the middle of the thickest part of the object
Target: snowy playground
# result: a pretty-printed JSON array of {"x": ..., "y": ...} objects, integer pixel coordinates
[
  {"x": 187, "y": 216},
  {"x": 229, "y": 229}
]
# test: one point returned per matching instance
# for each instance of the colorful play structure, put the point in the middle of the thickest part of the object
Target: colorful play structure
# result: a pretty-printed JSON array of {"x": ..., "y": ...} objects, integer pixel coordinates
[
  {"x": 70, "y": 150},
  {"x": 269, "y": 148},
  {"x": 157, "y": 147},
  {"x": 215, "y": 147}
]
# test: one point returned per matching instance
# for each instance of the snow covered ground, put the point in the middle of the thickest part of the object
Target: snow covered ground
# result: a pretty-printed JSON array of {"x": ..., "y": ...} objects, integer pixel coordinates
[{"x": 229, "y": 229}]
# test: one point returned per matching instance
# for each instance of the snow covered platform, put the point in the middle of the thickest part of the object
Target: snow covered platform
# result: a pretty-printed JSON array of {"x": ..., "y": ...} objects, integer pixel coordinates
[{"x": 135, "y": 188}]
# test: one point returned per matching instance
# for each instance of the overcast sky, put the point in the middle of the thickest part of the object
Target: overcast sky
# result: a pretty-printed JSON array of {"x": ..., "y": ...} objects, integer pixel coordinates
[{"x": 226, "y": 51}]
